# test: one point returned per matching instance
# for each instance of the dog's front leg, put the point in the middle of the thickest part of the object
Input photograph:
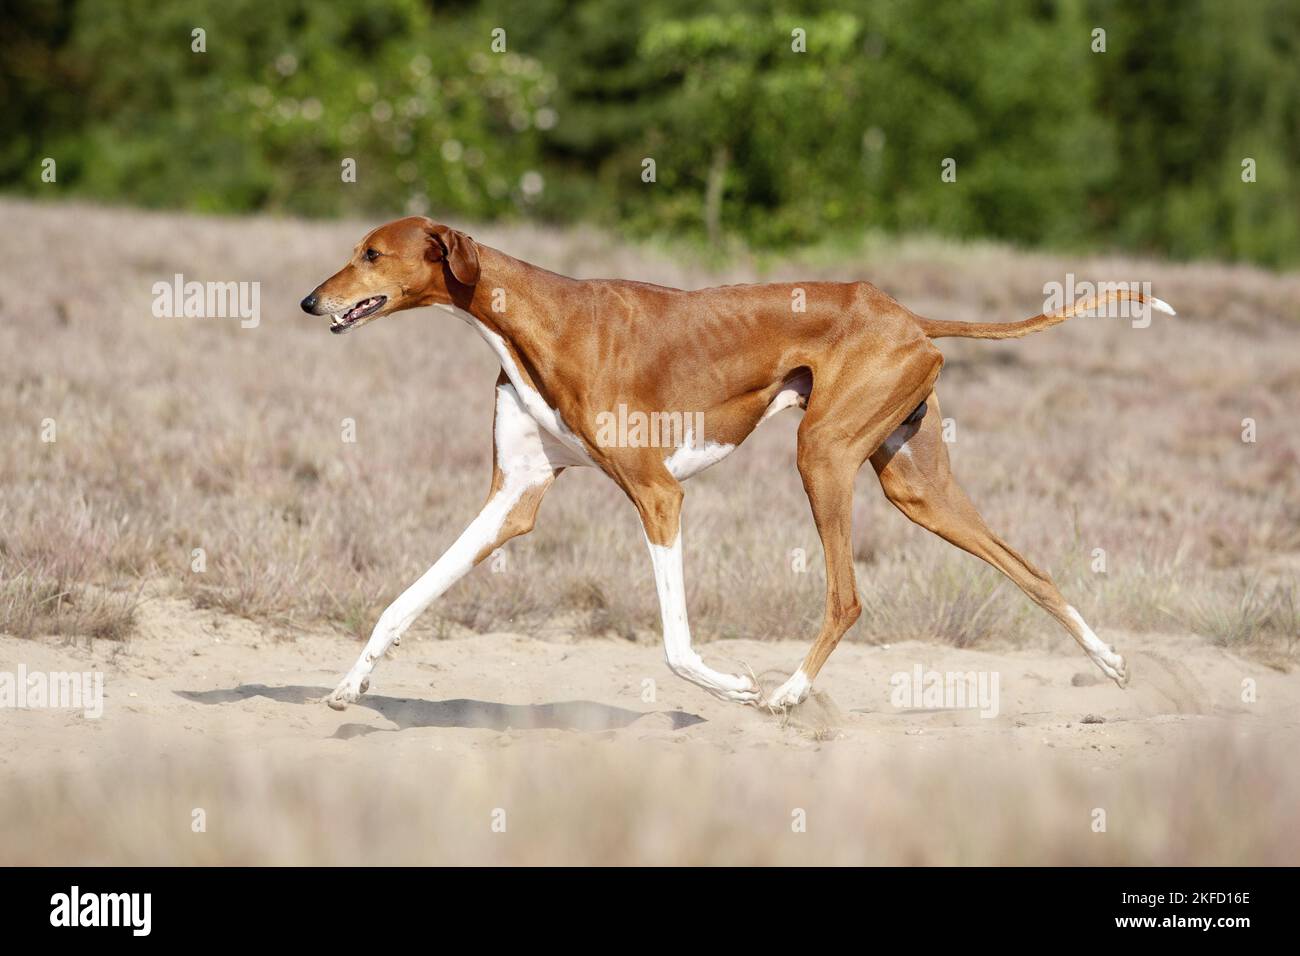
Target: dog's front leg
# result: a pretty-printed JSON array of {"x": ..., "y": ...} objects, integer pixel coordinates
[
  {"x": 523, "y": 469},
  {"x": 495, "y": 524},
  {"x": 660, "y": 509}
]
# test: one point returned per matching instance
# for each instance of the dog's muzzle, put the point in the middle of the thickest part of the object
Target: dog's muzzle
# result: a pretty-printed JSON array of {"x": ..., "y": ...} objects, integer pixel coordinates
[{"x": 364, "y": 308}]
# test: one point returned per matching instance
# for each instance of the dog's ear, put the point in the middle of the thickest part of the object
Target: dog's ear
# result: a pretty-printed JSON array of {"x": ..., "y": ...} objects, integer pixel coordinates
[{"x": 458, "y": 250}]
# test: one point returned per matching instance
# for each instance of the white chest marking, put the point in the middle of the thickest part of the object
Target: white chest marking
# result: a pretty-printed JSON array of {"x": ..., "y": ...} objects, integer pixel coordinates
[
  {"x": 531, "y": 400},
  {"x": 526, "y": 453}
]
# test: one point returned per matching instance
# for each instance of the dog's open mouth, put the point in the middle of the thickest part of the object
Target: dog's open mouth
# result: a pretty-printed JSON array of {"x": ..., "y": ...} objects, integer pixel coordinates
[{"x": 365, "y": 307}]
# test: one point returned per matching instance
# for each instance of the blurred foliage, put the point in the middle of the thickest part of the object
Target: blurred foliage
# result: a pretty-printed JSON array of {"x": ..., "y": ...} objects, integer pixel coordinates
[
  {"x": 283, "y": 94},
  {"x": 1138, "y": 147}
]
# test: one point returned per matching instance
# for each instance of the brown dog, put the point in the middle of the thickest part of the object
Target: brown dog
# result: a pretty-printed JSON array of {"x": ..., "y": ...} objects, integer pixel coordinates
[{"x": 596, "y": 373}]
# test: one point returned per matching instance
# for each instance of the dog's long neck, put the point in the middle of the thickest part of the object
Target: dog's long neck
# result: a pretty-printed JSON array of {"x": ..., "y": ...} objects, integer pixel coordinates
[{"x": 530, "y": 308}]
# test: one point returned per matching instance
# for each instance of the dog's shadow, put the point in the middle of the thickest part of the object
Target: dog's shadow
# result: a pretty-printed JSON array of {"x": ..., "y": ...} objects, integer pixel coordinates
[{"x": 581, "y": 715}]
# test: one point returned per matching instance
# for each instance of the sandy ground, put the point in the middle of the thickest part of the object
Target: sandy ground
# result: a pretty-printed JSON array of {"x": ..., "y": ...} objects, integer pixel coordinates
[{"x": 553, "y": 740}]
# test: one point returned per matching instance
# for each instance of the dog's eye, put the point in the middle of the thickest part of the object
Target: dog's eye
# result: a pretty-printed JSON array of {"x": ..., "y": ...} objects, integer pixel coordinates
[{"x": 371, "y": 255}]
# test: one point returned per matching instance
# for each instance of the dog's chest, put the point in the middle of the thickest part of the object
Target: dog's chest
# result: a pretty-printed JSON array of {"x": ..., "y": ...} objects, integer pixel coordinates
[{"x": 546, "y": 417}]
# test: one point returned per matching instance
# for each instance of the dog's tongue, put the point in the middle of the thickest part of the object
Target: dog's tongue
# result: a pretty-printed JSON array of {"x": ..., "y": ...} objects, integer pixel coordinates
[{"x": 362, "y": 306}]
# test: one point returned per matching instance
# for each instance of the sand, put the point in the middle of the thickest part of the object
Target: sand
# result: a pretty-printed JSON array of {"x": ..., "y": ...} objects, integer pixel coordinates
[{"x": 588, "y": 750}]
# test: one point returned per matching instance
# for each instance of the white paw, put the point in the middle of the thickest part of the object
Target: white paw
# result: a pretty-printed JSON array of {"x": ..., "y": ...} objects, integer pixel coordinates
[
  {"x": 348, "y": 691},
  {"x": 749, "y": 694},
  {"x": 736, "y": 689},
  {"x": 1102, "y": 654},
  {"x": 790, "y": 694},
  {"x": 1113, "y": 666}
]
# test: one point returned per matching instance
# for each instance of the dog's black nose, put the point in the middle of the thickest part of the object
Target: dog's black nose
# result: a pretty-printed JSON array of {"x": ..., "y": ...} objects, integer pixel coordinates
[{"x": 309, "y": 304}]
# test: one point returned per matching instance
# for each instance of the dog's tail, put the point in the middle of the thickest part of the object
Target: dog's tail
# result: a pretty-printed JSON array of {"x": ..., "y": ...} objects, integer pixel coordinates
[{"x": 939, "y": 329}]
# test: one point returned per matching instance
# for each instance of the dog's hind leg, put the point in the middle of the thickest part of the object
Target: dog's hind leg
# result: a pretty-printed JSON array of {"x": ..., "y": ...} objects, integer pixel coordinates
[
  {"x": 828, "y": 475},
  {"x": 525, "y": 462},
  {"x": 913, "y": 469},
  {"x": 844, "y": 423}
]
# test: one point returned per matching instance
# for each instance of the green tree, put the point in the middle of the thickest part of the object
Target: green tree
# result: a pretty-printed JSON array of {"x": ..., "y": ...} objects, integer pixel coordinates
[
  {"x": 1140, "y": 146},
  {"x": 285, "y": 92}
]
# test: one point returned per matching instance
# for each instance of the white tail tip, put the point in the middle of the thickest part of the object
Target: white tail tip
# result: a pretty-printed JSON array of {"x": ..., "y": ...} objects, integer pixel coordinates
[{"x": 1160, "y": 305}]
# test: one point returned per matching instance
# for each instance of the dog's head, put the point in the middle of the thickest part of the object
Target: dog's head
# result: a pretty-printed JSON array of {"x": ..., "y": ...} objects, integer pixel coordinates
[{"x": 401, "y": 265}]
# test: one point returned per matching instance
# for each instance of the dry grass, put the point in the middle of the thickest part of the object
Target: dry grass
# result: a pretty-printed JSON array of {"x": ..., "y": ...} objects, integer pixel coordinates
[
  {"x": 1220, "y": 802},
  {"x": 176, "y": 434},
  {"x": 47, "y": 576}
]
